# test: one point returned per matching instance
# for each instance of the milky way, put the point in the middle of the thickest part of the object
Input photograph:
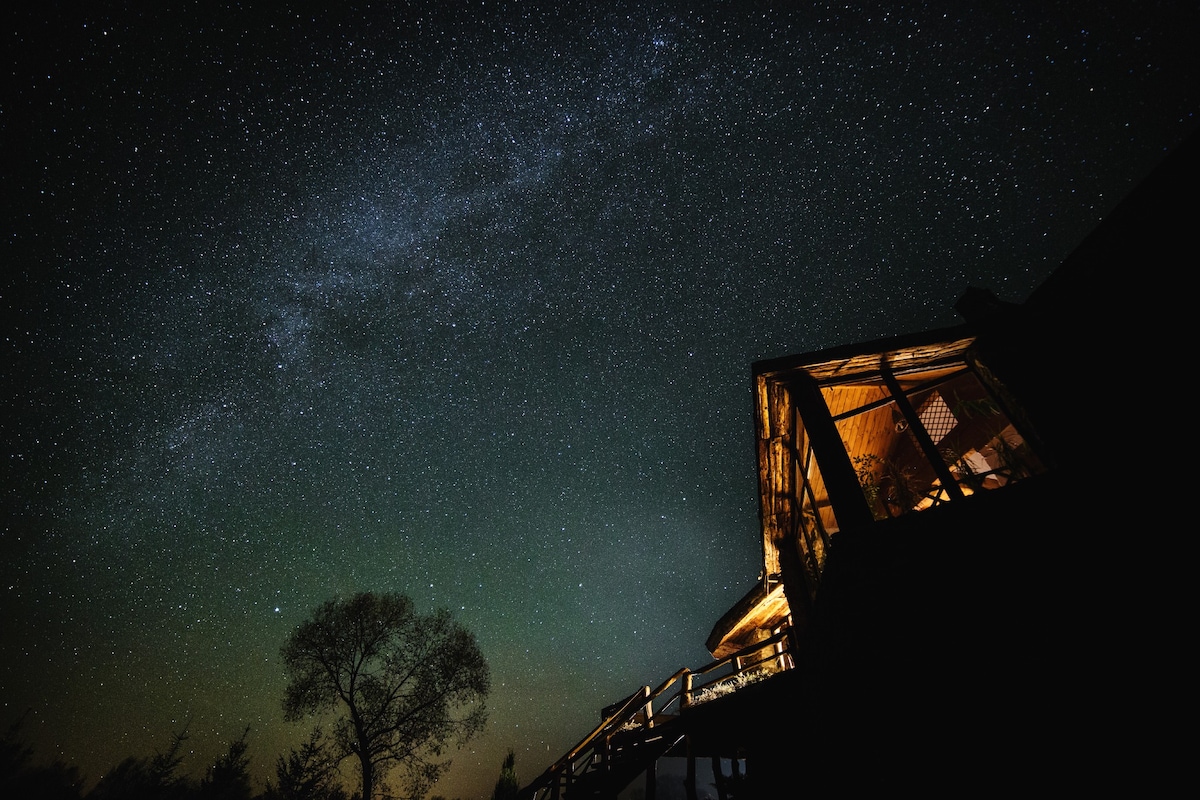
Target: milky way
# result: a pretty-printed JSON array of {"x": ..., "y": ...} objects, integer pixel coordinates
[{"x": 460, "y": 300}]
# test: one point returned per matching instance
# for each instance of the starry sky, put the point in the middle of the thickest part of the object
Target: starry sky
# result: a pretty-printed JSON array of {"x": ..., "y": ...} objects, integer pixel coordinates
[{"x": 460, "y": 299}]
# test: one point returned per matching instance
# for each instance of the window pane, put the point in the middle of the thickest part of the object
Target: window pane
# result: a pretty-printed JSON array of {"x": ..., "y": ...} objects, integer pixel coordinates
[
  {"x": 815, "y": 519},
  {"x": 977, "y": 441}
]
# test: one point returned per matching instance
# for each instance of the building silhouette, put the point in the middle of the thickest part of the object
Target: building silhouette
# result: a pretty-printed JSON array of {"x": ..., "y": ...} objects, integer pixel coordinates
[{"x": 957, "y": 530}]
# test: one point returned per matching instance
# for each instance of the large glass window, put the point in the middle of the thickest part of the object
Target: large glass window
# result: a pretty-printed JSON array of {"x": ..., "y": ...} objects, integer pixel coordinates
[
  {"x": 816, "y": 521},
  {"x": 873, "y": 435},
  {"x": 926, "y": 437}
]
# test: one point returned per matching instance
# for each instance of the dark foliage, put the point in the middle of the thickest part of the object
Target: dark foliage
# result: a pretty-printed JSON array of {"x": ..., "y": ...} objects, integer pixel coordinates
[
  {"x": 229, "y": 777},
  {"x": 307, "y": 772},
  {"x": 21, "y": 777},
  {"x": 154, "y": 778},
  {"x": 506, "y": 785}
]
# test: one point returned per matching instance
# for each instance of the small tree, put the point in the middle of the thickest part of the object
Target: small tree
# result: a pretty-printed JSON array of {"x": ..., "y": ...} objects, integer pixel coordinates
[
  {"x": 229, "y": 777},
  {"x": 21, "y": 777},
  {"x": 506, "y": 785},
  {"x": 403, "y": 686},
  {"x": 156, "y": 777},
  {"x": 308, "y": 772}
]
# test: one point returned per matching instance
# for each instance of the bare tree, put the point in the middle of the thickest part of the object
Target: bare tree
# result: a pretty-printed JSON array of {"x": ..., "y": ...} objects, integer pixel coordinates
[{"x": 403, "y": 687}]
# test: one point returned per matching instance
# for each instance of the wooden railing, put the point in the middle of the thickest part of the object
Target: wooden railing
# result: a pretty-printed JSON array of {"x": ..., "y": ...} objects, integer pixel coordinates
[{"x": 637, "y": 716}]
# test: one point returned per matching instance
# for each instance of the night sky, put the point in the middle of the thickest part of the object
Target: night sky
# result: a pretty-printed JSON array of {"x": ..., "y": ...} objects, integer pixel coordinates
[{"x": 460, "y": 300}]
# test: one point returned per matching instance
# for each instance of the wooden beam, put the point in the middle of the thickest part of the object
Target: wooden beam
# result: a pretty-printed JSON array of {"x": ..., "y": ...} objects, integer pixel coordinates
[{"x": 841, "y": 481}]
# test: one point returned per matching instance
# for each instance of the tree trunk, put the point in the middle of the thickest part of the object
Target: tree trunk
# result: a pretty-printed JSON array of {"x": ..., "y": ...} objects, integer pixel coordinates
[{"x": 368, "y": 776}]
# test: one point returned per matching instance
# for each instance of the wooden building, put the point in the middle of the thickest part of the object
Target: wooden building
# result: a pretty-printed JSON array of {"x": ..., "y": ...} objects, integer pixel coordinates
[{"x": 954, "y": 527}]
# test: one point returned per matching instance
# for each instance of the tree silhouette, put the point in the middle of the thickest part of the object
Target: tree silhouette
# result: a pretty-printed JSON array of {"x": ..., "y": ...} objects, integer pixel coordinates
[
  {"x": 155, "y": 778},
  {"x": 229, "y": 777},
  {"x": 307, "y": 772},
  {"x": 21, "y": 777},
  {"x": 402, "y": 686},
  {"x": 506, "y": 785}
]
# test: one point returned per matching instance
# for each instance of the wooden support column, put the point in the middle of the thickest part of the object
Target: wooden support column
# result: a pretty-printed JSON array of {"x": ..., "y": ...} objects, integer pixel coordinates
[
  {"x": 689, "y": 783},
  {"x": 719, "y": 778},
  {"x": 841, "y": 481},
  {"x": 927, "y": 445}
]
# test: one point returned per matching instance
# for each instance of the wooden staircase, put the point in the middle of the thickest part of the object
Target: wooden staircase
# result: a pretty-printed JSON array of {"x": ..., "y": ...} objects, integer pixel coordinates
[
  {"x": 633, "y": 735},
  {"x": 629, "y": 755}
]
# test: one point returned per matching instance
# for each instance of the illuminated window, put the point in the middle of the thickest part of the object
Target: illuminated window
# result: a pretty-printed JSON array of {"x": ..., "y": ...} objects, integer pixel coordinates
[
  {"x": 868, "y": 435},
  {"x": 923, "y": 437}
]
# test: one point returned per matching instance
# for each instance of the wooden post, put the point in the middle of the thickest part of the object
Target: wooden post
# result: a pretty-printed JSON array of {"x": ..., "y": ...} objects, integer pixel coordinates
[
  {"x": 841, "y": 481},
  {"x": 689, "y": 783},
  {"x": 927, "y": 445},
  {"x": 719, "y": 778}
]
